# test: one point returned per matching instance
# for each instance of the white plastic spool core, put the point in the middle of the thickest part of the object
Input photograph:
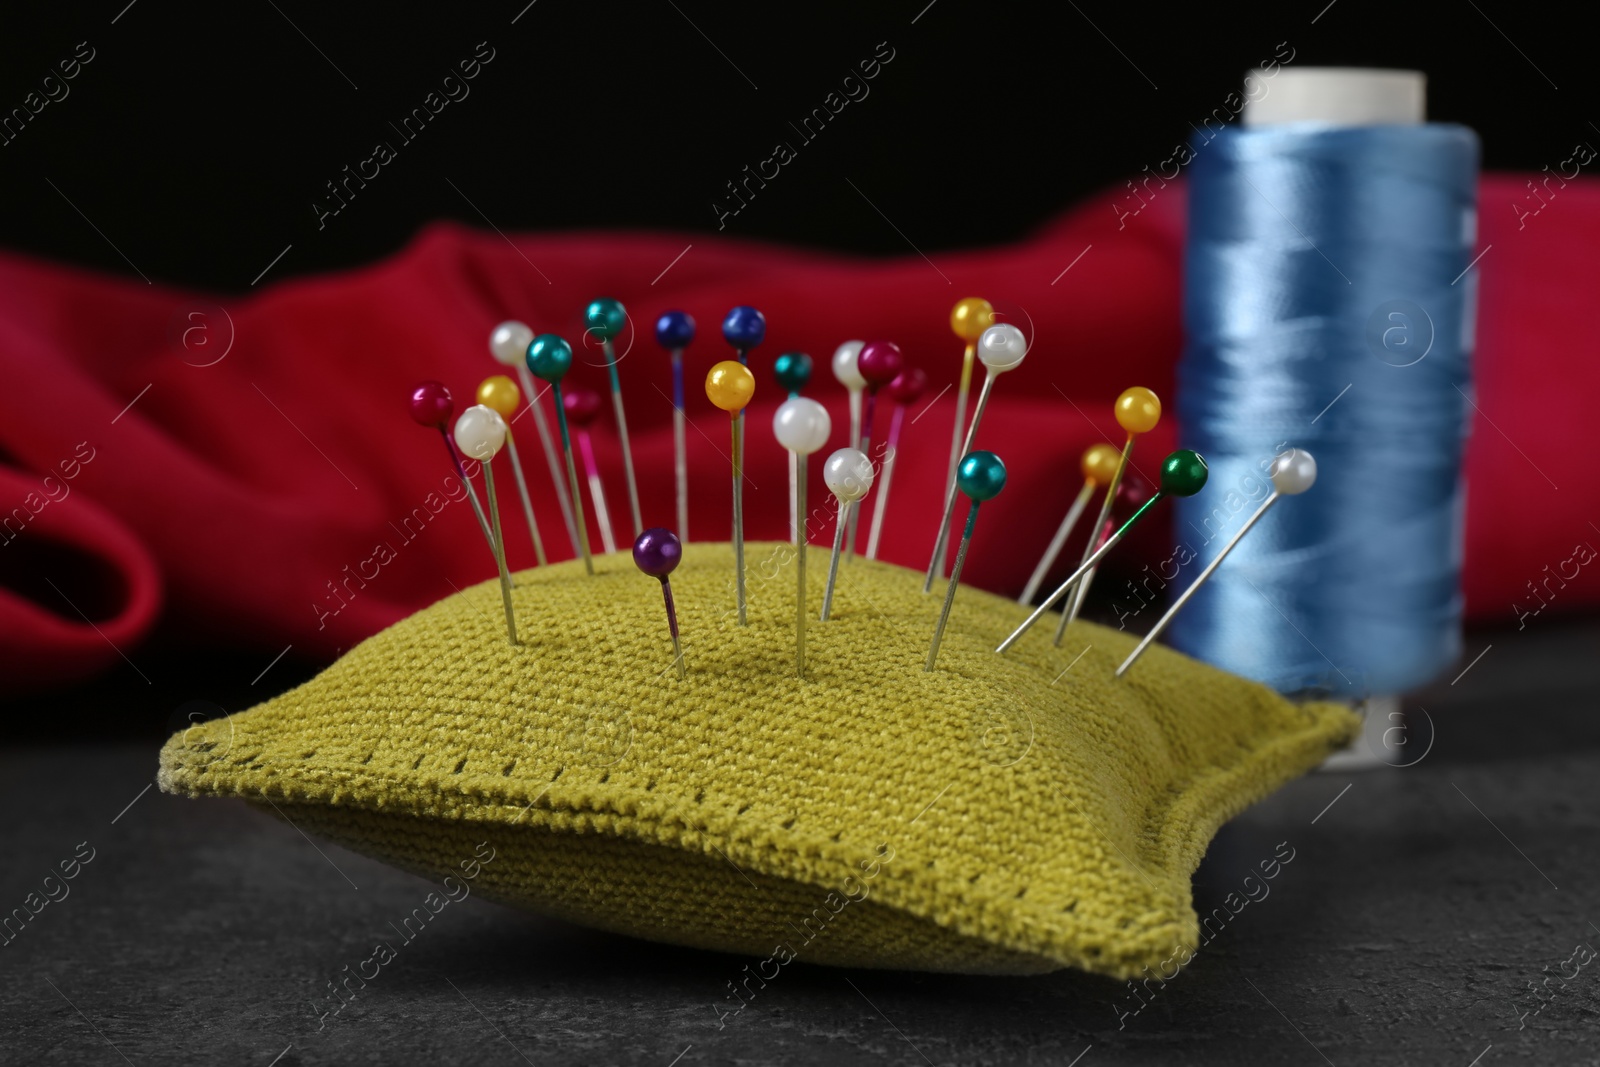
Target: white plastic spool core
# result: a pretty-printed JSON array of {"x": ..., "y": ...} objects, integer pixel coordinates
[{"x": 1338, "y": 96}]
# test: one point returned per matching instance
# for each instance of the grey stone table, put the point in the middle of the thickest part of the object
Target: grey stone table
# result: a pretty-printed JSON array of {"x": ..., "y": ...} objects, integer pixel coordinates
[{"x": 1438, "y": 913}]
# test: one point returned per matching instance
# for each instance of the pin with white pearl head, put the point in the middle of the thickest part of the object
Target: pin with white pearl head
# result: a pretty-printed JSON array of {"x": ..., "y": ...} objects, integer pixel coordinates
[
  {"x": 801, "y": 426},
  {"x": 1293, "y": 472},
  {"x": 980, "y": 476},
  {"x": 1001, "y": 348},
  {"x": 509, "y": 345},
  {"x": 848, "y": 375},
  {"x": 605, "y": 319},
  {"x": 501, "y": 393},
  {"x": 848, "y": 475},
  {"x": 1099, "y": 466},
  {"x": 481, "y": 433}
]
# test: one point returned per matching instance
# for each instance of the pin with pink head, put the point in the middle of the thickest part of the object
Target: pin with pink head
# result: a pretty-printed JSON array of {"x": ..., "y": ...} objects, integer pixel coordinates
[
  {"x": 582, "y": 407},
  {"x": 431, "y": 404},
  {"x": 903, "y": 390}
]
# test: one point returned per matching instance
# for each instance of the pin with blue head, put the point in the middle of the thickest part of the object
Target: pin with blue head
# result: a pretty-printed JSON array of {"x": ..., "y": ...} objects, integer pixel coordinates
[
  {"x": 980, "y": 476},
  {"x": 656, "y": 552},
  {"x": 744, "y": 328},
  {"x": 674, "y": 332},
  {"x": 431, "y": 404},
  {"x": 605, "y": 319},
  {"x": 549, "y": 359},
  {"x": 481, "y": 433},
  {"x": 1183, "y": 473},
  {"x": 1293, "y": 472},
  {"x": 1001, "y": 348},
  {"x": 904, "y": 390}
]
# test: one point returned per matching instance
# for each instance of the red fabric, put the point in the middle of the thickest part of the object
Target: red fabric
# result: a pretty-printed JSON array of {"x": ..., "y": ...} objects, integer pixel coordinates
[{"x": 243, "y": 492}]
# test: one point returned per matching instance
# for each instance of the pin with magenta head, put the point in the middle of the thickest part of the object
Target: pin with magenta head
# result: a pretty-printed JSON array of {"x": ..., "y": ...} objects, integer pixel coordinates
[
  {"x": 1293, "y": 472},
  {"x": 801, "y": 426},
  {"x": 878, "y": 363},
  {"x": 605, "y": 319},
  {"x": 509, "y": 346},
  {"x": 501, "y": 393},
  {"x": 583, "y": 407},
  {"x": 674, "y": 331},
  {"x": 847, "y": 374},
  {"x": 549, "y": 359},
  {"x": 980, "y": 476},
  {"x": 1099, "y": 466},
  {"x": 1183, "y": 473},
  {"x": 848, "y": 476},
  {"x": 1137, "y": 410},
  {"x": 431, "y": 404},
  {"x": 793, "y": 371},
  {"x": 730, "y": 386},
  {"x": 903, "y": 391},
  {"x": 1001, "y": 348},
  {"x": 481, "y": 433},
  {"x": 656, "y": 552},
  {"x": 968, "y": 319}
]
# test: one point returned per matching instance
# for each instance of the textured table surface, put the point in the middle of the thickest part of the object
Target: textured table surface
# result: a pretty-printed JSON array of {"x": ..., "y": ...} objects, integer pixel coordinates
[{"x": 1441, "y": 912}]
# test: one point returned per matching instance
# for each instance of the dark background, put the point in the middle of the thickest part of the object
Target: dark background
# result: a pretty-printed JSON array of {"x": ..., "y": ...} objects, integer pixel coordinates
[{"x": 199, "y": 135}]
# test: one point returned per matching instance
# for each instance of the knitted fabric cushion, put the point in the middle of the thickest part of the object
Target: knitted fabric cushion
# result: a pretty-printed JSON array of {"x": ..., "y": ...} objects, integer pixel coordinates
[{"x": 1002, "y": 814}]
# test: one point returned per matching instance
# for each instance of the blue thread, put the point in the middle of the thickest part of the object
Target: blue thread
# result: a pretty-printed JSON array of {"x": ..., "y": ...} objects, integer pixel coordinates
[{"x": 1320, "y": 258}]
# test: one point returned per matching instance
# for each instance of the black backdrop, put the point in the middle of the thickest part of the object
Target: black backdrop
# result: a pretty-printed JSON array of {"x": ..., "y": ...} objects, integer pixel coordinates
[{"x": 193, "y": 144}]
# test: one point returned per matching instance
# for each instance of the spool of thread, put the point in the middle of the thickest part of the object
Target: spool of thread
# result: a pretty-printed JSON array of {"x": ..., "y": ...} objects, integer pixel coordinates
[{"x": 1329, "y": 305}]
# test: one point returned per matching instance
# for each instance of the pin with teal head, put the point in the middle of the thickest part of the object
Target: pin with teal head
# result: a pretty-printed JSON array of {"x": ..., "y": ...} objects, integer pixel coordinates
[
  {"x": 509, "y": 346},
  {"x": 549, "y": 359},
  {"x": 605, "y": 319},
  {"x": 1293, "y": 472},
  {"x": 674, "y": 332},
  {"x": 980, "y": 476},
  {"x": 1183, "y": 473}
]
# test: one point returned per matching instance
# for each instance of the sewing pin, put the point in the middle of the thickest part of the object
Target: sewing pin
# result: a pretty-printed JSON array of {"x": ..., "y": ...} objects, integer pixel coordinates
[
  {"x": 674, "y": 331},
  {"x": 1099, "y": 466},
  {"x": 848, "y": 476},
  {"x": 793, "y": 371},
  {"x": 657, "y": 552},
  {"x": 744, "y": 328},
  {"x": 1183, "y": 473},
  {"x": 509, "y": 346},
  {"x": 878, "y": 363},
  {"x": 730, "y": 386},
  {"x": 907, "y": 386},
  {"x": 501, "y": 393},
  {"x": 1137, "y": 411},
  {"x": 583, "y": 406},
  {"x": 1293, "y": 472},
  {"x": 980, "y": 476},
  {"x": 605, "y": 319},
  {"x": 549, "y": 358},
  {"x": 801, "y": 426},
  {"x": 431, "y": 405},
  {"x": 481, "y": 433},
  {"x": 968, "y": 319},
  {"x": 848, "y": 375},
  {"x": 1001, "y": 348}
]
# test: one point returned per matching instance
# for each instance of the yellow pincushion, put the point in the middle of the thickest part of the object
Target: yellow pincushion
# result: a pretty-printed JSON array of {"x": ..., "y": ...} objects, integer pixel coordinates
[{"x": 1003, "y": 814}]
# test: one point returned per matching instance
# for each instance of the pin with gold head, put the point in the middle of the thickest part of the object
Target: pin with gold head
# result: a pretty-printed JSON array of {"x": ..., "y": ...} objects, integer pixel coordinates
[
  {"x": 1099, "y": 466},
  {"x": 501, "y": 393},
  {"x": 729, "y": 386}
]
